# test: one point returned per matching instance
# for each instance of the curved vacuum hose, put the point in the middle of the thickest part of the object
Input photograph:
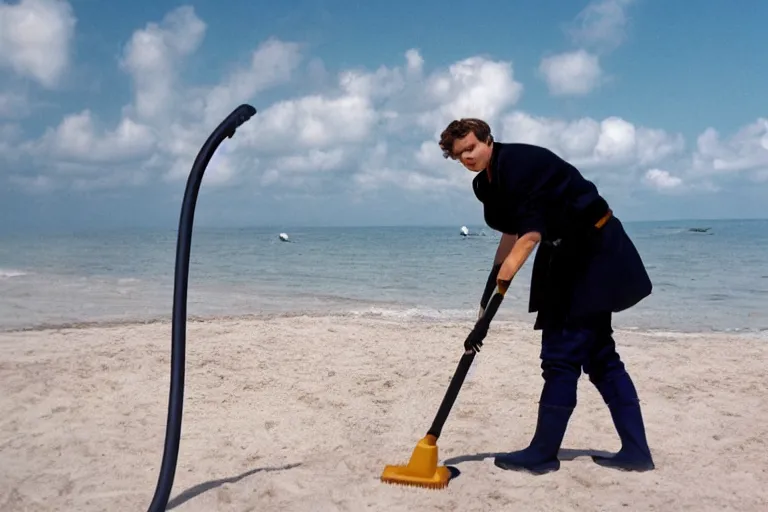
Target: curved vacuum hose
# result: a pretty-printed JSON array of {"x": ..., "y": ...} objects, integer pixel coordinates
[{"x": 178, "y": 343}]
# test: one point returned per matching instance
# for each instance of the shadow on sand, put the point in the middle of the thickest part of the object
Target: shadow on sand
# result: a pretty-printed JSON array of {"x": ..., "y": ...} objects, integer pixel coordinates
[
  {"x": 199, "y": 489},
  {"x": 565, "y": 454}
]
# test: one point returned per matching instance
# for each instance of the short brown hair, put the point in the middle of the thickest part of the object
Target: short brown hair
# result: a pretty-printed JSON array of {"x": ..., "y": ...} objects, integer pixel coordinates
[{"x": 460, "y": 128}]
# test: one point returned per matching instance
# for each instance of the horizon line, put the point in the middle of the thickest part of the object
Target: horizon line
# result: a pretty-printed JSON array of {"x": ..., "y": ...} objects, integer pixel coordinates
[{"x": 290, "y": 225}]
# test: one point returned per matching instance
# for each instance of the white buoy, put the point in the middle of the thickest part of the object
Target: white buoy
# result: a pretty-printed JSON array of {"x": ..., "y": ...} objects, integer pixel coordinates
[
  {"x": 464, "y": 231},
  {"x": 284, "y": 237}
]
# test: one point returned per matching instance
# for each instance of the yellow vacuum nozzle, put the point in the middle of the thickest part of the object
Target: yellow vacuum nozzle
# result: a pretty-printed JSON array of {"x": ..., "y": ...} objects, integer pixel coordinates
[{"x": 422, "y": 470}]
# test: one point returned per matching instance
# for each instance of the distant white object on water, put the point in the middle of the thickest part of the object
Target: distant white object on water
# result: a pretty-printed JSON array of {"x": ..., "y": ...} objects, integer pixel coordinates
[
  {"x": 464, "y": 231},
  {"x": 284, "y": 237}
]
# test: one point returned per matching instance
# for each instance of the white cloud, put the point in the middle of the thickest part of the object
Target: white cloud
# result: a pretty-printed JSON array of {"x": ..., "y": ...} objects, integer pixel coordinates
[
  {"x": 611, "y": 143},
  {"x": 77, "y": 139},
  {"x": 667, "y": 183},
  {"x": 298, "y": 142},
  {"x": 360, "y": 130},
  {"x": 35, "y": 39},
  {"x": 601, "y": 27},
  {"x": 601, "y": 24},
  {"x": 472, "y": 87},
  {"x": 745, "y": 151},
  {"x": 271, "y": 63},
  {"x": 314, "y": 160},
  {"x": 312, "y": 122},
  {"x": 304, "y": 169},
  {"x": 662, "y": 180},
  {"x": 415, "y": 61},
  {"x": 368, "y": 108},
  {"x": 574, "y": 73},
  {"x": 152, "y": 57},
  {"x": 164, "y": 126}
]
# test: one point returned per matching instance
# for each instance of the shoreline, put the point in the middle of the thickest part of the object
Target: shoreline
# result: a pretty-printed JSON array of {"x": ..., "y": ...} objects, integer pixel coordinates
[{"x": 390, "y": 315}]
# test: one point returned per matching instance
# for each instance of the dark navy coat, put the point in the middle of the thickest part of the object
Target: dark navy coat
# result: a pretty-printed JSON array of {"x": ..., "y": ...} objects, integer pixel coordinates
[{"x": 578, "y": 270}]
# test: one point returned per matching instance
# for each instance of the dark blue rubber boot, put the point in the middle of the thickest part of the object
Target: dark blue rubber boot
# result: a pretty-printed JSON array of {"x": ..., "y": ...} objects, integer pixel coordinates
[
  {"x": 620, "y": 395},
  {"x": 540, "y": 456},
  {"x": 557, "y": 402}
]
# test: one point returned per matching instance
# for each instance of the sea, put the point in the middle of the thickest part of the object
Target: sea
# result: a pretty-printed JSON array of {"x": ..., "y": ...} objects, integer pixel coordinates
[{"x": 709, "y": 276}]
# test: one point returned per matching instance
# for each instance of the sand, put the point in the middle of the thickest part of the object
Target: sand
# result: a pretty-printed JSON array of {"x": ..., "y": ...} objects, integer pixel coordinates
[{"x": 303, "y": 413}]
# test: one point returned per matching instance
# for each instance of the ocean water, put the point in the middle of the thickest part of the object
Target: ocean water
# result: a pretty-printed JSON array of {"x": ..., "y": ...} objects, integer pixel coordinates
[{"x": 704, "y": 281}]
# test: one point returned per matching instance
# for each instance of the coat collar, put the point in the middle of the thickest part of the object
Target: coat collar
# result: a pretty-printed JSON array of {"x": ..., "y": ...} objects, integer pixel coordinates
[
  {"x": 493, "y": 164},
  {"x": 481, "y": 184}
]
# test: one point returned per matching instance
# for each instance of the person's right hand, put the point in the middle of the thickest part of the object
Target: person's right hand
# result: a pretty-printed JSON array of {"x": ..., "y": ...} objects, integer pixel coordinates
[{"x": 475, "y": 339}]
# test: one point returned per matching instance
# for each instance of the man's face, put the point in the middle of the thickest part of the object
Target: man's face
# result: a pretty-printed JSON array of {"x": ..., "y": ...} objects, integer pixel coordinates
[{"x": 473, "y": 154}]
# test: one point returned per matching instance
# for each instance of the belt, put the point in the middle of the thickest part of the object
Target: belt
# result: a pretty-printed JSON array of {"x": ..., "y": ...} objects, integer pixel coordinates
[
  {"x": 605, "y": 218},
  {"x": 599, "y": 225}
]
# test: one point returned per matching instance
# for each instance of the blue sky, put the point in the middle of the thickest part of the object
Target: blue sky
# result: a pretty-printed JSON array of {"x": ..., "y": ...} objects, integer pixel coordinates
[{"x": 104, "y": 105}]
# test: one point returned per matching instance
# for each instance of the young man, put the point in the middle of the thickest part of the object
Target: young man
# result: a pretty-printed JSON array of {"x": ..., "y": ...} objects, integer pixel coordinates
[{"x": 586, "y": 268}]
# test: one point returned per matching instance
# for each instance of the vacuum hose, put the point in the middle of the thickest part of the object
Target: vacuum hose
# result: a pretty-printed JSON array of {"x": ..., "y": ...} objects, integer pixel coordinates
[{"x": 178, "y": 342}]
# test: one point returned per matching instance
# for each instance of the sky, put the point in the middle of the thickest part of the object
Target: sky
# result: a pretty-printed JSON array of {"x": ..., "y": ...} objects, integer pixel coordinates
[{"x": 104, "y": 106}]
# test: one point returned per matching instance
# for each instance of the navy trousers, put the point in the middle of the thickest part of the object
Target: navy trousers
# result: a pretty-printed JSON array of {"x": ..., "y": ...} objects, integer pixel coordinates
[
  {"x": 586, "y": 346},
  {"x": 589, "y": 347}
]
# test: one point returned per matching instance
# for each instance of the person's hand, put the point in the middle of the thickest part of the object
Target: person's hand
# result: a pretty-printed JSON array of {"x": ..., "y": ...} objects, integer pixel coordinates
[{"x": 475, "y": 339}]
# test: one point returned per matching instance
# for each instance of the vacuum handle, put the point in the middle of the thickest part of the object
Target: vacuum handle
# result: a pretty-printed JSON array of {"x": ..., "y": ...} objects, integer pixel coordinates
[
  {"x": 464, "y": 364},
  {"x": 236, "y": 119},
  {"x": 493, "y": 305}
]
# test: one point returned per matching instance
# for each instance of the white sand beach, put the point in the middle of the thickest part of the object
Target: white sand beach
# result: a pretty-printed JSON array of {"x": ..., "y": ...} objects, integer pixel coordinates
[{"x": 302, "y": 414}]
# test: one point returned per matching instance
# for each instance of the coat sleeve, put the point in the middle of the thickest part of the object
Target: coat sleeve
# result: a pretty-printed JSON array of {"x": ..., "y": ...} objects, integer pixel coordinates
[
  {"x": 532, "y": 213},
  {"x": 534, "y": 180}
]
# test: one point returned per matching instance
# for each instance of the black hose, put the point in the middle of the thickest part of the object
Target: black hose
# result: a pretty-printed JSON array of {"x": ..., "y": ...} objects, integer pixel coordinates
[{"x": 178, "y": 340}]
